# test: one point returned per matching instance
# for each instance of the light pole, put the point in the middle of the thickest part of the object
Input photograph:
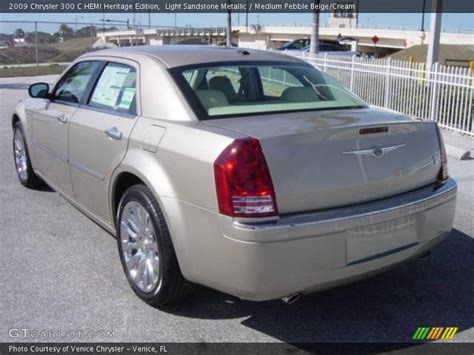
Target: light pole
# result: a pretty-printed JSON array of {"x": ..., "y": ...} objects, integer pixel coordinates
[
  {"x": 149, "y": 16},
  {"x": 435, "y": 34},
  {"x": 247, "y": 16},
  {"x": 117, "y": 21},
  {"x": 229, "y": 25},
  {"x": 423, "y": 17},
  {"x": 175, "y": 28},
  {"x": 75, "y": 24}
]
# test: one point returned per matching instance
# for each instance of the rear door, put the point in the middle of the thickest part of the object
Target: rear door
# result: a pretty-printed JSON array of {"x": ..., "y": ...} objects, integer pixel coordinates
[
  {"x": 51, "y": 121},
  {"x": 99, "y": 132}
]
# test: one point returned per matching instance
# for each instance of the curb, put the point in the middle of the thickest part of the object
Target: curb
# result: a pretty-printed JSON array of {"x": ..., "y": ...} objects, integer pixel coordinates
[{"x": 457, "y": 153}]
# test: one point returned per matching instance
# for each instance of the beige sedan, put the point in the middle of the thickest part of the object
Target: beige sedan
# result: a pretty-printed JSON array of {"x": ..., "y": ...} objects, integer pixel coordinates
[{"x": 249, "y": 172}]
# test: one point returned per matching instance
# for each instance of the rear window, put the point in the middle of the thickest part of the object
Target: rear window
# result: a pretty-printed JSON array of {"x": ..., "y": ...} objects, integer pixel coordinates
[{"x": 220, "y": 91}]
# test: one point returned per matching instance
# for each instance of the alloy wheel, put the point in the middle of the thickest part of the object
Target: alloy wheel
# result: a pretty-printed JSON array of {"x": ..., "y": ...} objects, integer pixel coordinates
[{"x": 139, "y": 246}]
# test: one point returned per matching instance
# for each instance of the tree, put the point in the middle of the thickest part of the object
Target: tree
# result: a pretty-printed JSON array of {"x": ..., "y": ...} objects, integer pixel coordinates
[
  {"x": 314, "y": 46},
  {"x": 86, "y": 31},
  {"x": 229, "y": 25},
  {"x": 19, "y": 33},
  {"x": 65, "y": 31},
  {"x": 5, "y": 37}
]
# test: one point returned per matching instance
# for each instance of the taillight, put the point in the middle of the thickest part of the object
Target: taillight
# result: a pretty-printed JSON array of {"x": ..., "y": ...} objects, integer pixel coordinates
[
  {"x": 243, "y": 183},
  {"x": 443, "y": 173}
]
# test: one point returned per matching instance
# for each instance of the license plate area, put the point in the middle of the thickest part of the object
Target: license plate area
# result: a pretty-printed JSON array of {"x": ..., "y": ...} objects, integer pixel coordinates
[{"x": 382, "y": 239}]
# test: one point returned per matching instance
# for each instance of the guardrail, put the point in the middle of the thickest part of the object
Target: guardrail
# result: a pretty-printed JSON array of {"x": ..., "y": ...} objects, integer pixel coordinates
[{"x": 442, "y": 93}]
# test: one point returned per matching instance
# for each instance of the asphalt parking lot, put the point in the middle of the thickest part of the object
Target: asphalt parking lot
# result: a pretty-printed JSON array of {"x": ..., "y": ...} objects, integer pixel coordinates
[{"x": 61, "y": 272}]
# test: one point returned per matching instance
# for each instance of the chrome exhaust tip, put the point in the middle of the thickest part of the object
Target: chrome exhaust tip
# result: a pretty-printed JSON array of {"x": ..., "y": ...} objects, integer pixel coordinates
[{"x": 291, "y": 298}]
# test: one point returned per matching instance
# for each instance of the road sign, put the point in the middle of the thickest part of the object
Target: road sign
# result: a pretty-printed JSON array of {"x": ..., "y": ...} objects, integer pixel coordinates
[{"x": 375, "y": 39}]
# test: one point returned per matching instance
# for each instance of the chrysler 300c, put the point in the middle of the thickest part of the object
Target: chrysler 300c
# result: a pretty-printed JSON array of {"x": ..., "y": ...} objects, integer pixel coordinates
[{"x": 250, "y": 172}]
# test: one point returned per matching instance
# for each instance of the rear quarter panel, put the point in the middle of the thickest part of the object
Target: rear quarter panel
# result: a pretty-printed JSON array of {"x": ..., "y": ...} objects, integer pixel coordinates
[{"x": 180, "y": 173}]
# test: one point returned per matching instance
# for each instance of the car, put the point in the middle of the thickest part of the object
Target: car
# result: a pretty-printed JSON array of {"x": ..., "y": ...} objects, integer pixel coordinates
[
  {"x": 250, "y": 172},
  {"x": 301, "y": 47},
  {"x": 296, "y": 44}
]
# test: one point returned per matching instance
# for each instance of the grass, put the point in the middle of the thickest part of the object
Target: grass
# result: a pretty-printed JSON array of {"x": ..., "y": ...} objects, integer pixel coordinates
[
  {"x": 47, "y": 53},
  {"x": 32, "y": 71},
  {"x": 448, "y": 54}
]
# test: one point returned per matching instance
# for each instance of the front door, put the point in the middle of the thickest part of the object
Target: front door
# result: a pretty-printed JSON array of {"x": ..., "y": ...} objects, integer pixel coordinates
[
  {"x": 99, "y": 132},
  {"x": 50, "y": 122}
]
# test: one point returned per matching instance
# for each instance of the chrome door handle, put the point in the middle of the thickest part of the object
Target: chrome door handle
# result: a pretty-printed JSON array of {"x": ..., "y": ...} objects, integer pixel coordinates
[
  {"x": 114, "y": 133},
  {"x": 61, "y": 118}
]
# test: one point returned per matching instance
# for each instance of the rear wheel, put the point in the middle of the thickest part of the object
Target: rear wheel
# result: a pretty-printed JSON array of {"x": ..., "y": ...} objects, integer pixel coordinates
[
  {"x": 22, "y": 159},
  {"x": 146, "y": 250}
]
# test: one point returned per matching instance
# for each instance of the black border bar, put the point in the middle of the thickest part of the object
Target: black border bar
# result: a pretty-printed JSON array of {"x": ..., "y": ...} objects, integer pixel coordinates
[
  {"x": 241, "y": 6},
  {"x": 236, "y": 348}
]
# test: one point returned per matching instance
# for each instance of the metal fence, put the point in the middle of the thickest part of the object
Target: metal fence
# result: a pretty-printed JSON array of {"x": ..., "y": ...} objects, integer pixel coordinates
[{"x": 443, "y": 94}]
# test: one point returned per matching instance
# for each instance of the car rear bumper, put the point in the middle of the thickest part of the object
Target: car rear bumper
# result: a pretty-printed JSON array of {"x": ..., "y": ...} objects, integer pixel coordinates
[{"x": 310, "y": 252}]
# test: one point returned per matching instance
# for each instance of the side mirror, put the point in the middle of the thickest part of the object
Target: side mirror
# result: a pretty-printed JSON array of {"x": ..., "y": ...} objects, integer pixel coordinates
[{"x": 39, "y": 91}]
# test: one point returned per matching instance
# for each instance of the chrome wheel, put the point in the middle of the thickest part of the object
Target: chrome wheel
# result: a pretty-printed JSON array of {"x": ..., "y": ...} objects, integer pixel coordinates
[
  {"x": 139, "y": 246},
  {"x": 21, "y": 159}
]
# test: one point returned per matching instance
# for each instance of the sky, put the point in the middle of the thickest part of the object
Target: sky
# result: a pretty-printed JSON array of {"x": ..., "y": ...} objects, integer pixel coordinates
[{"x": 450, "y": 22}]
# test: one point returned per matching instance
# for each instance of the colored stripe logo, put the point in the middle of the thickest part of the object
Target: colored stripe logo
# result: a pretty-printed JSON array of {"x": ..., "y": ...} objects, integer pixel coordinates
[{"x": 435, "y": 333}]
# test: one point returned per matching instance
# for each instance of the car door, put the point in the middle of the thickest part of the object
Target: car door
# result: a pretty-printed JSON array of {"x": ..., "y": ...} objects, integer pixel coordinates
[
  {"x": 50, "y": 121},
  {"x": 99, "y": 132}
]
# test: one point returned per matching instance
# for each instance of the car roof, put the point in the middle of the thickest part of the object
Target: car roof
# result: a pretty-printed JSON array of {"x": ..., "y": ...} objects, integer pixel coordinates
[{"x": 182, "y": 55}]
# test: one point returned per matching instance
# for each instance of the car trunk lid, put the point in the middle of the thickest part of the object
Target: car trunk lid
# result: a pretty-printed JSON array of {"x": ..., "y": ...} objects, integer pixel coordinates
[{"x": 334, "y": 158}]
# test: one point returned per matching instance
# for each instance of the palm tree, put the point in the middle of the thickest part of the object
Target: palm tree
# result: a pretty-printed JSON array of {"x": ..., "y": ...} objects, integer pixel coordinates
[
  {"x": 314, "y": 46},
  {"x": 229, "y": 25}
]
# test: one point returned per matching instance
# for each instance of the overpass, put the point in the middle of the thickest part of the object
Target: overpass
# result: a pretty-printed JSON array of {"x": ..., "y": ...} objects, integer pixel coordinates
[{"x": 265, "y": 37}]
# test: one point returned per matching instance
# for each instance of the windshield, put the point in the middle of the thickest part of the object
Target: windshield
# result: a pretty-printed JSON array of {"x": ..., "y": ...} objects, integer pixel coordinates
[{"x": 243, "y": 89}]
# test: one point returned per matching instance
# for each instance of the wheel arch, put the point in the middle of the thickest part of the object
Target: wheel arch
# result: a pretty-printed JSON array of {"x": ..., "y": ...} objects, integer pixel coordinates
[
  {"x": 129, "y": 173},
  {"x": 121, "y": 183},
  {"x": 15, "y": 119},
  {"x": 19, "y": 115},
  {"x": 127, "y": 176}
]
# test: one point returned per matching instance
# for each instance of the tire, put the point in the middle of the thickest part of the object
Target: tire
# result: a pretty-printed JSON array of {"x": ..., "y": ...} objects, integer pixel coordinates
[
  {"x": 21, "y": 157},
  {"x": 141, "y": 240}
]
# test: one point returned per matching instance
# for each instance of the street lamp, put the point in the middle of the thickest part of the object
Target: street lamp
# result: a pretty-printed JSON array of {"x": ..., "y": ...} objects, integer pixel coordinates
[
  {"x": 75, "y": 24},
  {"x": 423, "y": 17},
  {"x": 117, "y": 21}
]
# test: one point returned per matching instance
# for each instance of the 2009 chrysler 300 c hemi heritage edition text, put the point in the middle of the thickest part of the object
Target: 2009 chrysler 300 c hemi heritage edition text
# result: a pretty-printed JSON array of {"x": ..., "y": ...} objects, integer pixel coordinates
[{"x": 249, "y": 172}]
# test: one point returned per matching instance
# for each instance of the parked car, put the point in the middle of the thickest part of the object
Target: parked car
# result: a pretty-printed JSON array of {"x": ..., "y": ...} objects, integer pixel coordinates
[
  {"x": 296, "y": 44},
  {"x": 300, "y": 47},
  {"x": 250, "y": 172}
]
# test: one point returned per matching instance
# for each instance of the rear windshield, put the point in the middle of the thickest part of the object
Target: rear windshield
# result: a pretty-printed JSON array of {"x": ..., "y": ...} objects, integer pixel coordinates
[{"x": 230, "y": 90}]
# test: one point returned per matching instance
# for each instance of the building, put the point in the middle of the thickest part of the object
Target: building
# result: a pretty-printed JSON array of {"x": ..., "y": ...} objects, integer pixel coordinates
[{"x": 344, "y": 18}]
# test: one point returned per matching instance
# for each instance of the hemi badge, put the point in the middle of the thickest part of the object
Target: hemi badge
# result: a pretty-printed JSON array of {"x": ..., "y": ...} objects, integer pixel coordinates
[{"x": 373, "y": 130}]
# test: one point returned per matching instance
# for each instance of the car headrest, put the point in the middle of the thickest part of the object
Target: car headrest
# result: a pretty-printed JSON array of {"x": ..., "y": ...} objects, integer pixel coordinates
[
  {"x": 222, "y": 83},
  {"x": 299, "y": 94},
  {"x": 212, "y": 98}
]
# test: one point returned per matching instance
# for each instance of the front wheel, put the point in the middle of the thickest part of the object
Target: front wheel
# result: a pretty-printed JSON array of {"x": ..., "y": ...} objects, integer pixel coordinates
[
  {"x": 24, "y": 170},
  {"x": 146, "y": 250}
]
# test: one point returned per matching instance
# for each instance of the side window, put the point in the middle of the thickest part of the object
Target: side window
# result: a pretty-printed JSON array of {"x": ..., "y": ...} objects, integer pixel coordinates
[
  {"x": 276, "y": 80},
  {"x": 299, "y": 44},
  {"x": 72, "y": 86},
  {"x": 116, "y": 89}
]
